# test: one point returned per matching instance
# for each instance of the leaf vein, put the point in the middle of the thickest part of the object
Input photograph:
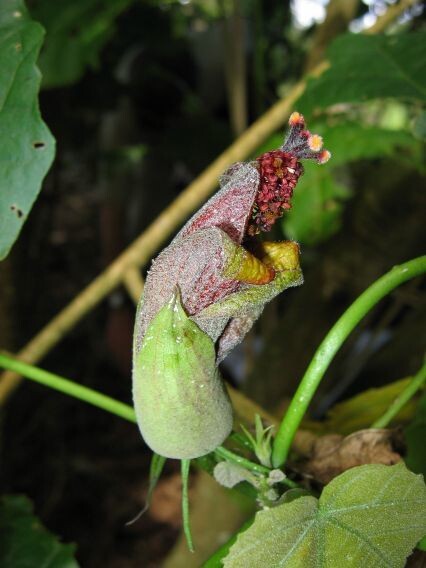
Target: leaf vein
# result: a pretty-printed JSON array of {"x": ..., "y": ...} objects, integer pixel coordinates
[{"x": 363, "y": 539}]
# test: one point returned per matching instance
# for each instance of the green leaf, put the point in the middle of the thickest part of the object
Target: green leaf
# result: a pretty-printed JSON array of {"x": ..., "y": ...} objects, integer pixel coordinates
[
  {"x": 318, "y": 199},
  {"x": 422, "y": 544},
  {"x": 76, "y": 33},
  {"x": 25, "y": 543},
  {"x": 155, "y": 471},
  {"x": 363, "y": 409},
  {"x": 415, "y": 436},
  {"x": 370, "y": 516},
  {"x": 351, "y": 141},
  {"x": 419, "y": 126},
  {"x": 27, "y": 147},
  {"x": 366, "y": 67},
  {"x": 319, "y": 196},
  {"x": 317, "y": 206},
  {"x": 216, "y": 559}
]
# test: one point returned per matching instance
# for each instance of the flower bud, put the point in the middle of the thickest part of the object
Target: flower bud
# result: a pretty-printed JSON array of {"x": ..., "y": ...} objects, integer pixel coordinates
[
  {"x": 219, "y": 277},
  {"x": 182, "y": 408}
]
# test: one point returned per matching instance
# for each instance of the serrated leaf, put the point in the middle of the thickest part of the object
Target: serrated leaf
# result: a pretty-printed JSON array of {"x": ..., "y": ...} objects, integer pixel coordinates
[
  {"x": 27, "y": 147},
  {"x": 25, "y": 543},
  {"x": 370, "y": 516},
  {"x": 364, "y": 67}
]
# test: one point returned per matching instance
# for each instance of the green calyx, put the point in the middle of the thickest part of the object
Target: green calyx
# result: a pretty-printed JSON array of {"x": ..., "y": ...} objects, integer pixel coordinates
[{"x": 182, "y": 408}]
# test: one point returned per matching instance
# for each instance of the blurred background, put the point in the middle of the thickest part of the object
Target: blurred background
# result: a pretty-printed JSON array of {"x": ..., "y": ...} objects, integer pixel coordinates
[{"x": 141, "y": 97}]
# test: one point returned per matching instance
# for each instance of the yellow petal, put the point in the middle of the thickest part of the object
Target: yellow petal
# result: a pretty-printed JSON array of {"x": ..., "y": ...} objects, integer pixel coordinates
[
  {"x": 243, "y": 266},
  {"x": 280, "y": 256}
]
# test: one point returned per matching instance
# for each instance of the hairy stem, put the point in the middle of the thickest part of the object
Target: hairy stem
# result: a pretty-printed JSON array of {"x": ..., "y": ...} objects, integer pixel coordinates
[
  {"x": 223, "y": 453},
  {"x": 410, "y": 390},
  {"x": 185, "y": 465},
  {"x": 329, "y": 347},
  {"x": 68, "y": 387},
  {"x": 243, "y": 405}
]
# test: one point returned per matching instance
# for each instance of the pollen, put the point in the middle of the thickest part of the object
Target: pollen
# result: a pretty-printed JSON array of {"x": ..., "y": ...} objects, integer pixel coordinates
[
  {"x": 324, "y": 156},
  {"x": 315, "y": 142},
  {"x": 279, "y": 172},
  {"x": 296, "y": 119}
]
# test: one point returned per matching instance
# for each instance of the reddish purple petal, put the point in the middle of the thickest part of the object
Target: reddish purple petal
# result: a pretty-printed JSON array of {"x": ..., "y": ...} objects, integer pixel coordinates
[
  {"x": 229, "y": 209},
  {"x": 194, "y": 264}
]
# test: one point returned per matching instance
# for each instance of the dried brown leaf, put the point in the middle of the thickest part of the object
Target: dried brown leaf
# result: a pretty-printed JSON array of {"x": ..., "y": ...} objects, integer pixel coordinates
[{"x": 333, "y": 454}]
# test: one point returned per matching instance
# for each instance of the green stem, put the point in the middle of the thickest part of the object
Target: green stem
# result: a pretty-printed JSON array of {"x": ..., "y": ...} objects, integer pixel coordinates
[
  {"x": 247, "y": 464},
  {"x": 68, "y": 387},
  {"x": 410, "y": 390},
  {"x": 239, "y": 460},
  {"x": 185, "y": 465},
  {"x": 329, "y": 347},
  {"x": 155, "y": 470}
]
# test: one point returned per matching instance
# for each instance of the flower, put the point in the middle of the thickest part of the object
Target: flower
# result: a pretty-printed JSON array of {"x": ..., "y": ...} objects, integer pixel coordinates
[{"x": 217, "y": 277}]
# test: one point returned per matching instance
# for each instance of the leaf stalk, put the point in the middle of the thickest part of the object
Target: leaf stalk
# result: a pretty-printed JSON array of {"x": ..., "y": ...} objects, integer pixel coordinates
[{"x": 330, "y": 346}]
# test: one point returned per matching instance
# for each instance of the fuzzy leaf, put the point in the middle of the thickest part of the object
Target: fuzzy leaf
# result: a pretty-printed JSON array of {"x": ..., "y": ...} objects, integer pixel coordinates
[
  {"x": 229, "y": 474},
  {"x": 380, "y": 66},
  {"x": 25, "y": 543},
  {"x": 370, "y": 516},
  {"x": 27, "y": 147}
]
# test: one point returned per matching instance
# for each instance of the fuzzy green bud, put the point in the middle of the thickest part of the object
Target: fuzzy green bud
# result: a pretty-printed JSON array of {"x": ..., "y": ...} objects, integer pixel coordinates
[{"x": 182, "y": 407}]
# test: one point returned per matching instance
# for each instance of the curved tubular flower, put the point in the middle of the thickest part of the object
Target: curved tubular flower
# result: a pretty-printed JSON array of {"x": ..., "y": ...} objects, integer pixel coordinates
[{"x": 204, "y": 292}]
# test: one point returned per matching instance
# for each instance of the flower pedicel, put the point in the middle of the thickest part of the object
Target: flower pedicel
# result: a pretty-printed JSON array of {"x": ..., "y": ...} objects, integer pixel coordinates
[{"x": 204, "y": 292}]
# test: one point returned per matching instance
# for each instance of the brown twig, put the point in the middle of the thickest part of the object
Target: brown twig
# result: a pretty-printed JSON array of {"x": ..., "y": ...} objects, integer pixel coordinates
[
  {"x": 391, "y": 14},
  {"x": 133, "y": 282},
  {"x": 235, "y": 67},
  {"x": 142, "y": 249},
  {"x": 338, "y": 16}
]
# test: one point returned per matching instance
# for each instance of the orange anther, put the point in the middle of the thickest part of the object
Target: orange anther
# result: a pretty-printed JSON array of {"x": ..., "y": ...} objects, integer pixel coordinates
[
  {"x": 324, "y": 157},
  {"x": 296, "y": 119}
]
